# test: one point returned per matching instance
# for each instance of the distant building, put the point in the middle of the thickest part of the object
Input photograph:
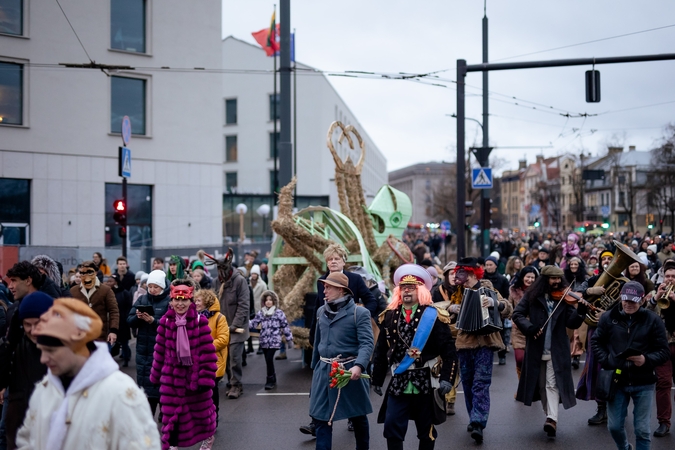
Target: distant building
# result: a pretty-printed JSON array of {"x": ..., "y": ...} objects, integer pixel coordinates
[
  {"x": 420, "y": 182},
  {"x": 247, "y": 138}
]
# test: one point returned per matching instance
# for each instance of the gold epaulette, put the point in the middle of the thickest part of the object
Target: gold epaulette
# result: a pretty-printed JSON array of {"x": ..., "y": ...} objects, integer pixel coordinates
[
  {"x": 443, "y": 315},
  {"x": 380, "y": 318}
]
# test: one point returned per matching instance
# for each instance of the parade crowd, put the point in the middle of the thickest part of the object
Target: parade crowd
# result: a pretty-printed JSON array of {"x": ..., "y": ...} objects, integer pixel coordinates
[{"x": 548, "y": 299}]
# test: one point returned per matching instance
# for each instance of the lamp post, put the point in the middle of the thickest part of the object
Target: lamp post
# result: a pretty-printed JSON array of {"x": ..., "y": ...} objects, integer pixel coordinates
[
  {"x": 263, "y": 211},
  {"x": 241, "y": 209}
]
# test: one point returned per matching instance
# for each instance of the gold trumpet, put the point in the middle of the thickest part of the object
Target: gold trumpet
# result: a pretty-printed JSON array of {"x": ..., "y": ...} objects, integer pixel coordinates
[{"x": 664, "y": 301}]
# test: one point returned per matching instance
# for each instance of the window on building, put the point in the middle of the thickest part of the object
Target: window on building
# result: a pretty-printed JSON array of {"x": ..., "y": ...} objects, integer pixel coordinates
[
  {"x": 622, "y": 199},
  {"x": 230, "y": 148},
  {"x": 127, "y": 99},
  {"x": 127, "y": 25},
  {"x": 231, "y": 111},
  {"x": 274, "y": 142},
  {"x": 14, "y": 211},
  {"x": 230, "y": 181},
  {"x": 11, "y": 93},
  {"x": 274, "y": 179},
  {"x": 275, "y": 107},
  {"x": 139, "y": 215},
  {"x": 11, "y": 17}
]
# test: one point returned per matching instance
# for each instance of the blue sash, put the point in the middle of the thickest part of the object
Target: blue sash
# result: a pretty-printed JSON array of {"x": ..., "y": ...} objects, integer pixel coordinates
[{"x": 420, "y": 339}]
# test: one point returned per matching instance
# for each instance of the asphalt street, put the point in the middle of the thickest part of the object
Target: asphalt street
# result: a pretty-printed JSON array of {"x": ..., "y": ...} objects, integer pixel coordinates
[{"x": 262, "y": 419}]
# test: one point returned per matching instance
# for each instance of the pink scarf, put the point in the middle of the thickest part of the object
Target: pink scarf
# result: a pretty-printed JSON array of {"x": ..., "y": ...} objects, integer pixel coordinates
[{"x": 182, "y": 341}]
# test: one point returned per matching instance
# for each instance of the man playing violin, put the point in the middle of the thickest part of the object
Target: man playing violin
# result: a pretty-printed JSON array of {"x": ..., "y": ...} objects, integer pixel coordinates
[{"x": 543, "y": 316}]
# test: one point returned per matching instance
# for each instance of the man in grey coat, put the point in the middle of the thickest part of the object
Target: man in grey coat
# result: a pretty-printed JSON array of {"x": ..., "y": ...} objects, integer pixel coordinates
[
  {"x": 235, "y": 300},
  {"x": 342, "y": 345}
]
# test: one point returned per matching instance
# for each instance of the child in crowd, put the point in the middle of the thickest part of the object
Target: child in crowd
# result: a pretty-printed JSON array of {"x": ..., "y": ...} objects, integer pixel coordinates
[
  {"x": 208, "y": 305},
  {"x": 273, "y": 323},
  {"x": 185, "y": 368}
]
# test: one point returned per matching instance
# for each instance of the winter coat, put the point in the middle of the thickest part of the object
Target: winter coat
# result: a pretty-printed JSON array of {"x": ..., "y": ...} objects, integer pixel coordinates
[
  {"x": 272, "y": 326},
  {"x": 104, "y": 303},
  {"x": 529, "y": 316},
  {"x": 20, "y": 374},
  {"x": 648, "y": 334},
  {"x": 260, "y": 287},
  {"x": 517, "y": 337},
  {"x": 235, "y": 302},
  {"x": 220, "y": 332},
  {"x": 185, "y": 391},
  {"x": 110, "y": 414},
  {"x": 499, "y": 282},
  {"x": 127, "y": 281},
  {"x": 348, "y": 334},
  {"x": 124, "y": 300},
  {"x": 145, "y": 341},
  {"x": 50, "y": 288},
  {"x": 3, "y": 318}
]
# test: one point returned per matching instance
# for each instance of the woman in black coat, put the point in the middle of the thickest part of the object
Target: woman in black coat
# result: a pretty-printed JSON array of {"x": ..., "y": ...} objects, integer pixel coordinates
[
  {"x": 124, "y": 301},
  {"x": 158, "y": 298},
  {"x": 530, "y": 316}
]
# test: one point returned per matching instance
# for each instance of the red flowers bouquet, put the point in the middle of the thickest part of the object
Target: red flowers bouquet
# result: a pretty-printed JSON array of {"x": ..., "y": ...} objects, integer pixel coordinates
[{"x": 339, "y": 377}]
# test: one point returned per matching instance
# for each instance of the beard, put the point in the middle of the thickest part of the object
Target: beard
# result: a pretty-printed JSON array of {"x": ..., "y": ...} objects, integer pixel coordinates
[
  {"x": 554, "y": 286},
  {"x": 407, "y": 298}
]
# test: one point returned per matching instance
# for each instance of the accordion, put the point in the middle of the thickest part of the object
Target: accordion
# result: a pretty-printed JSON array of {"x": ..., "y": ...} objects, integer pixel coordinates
[{"x": 473, "y": 318}]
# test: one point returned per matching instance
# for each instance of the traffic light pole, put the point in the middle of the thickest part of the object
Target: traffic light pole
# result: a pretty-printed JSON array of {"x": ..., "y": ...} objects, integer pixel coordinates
[
  {"x": 463, "y": 69},
  {"x": 126, "y": 212},
  {"x": 483, "y": 154}
]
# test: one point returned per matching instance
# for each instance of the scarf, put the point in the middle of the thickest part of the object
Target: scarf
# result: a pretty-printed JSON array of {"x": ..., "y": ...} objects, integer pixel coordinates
[
  {"x": 206, "y": 313},
  {"x": 268, "y": 312},
  {"x": 99, "y": 366},
  {"x": 182, "y": 341}
]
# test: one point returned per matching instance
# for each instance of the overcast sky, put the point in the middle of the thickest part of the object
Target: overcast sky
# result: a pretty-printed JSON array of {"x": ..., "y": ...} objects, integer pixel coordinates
[{"x": 408, "y": 121}]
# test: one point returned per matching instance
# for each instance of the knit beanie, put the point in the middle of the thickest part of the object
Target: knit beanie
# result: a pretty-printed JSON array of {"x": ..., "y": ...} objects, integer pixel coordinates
[
  {"x": 144, "y": 278},
  {"x": 493, "y": 259},
  {"x": 255, "y": 269},
  {"x": 34, "y": 305},
  {"x": 157, "y": 277},
  {"x": 652, "y": 248},
  {"x": 139, "y": 274}
]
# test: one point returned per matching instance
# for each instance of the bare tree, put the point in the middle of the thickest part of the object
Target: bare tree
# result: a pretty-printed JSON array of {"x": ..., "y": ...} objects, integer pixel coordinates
[
  {"x": 625, "y": 181},
  {"x": 547, "y": 195},
  {"x": 661, "y": 179}
]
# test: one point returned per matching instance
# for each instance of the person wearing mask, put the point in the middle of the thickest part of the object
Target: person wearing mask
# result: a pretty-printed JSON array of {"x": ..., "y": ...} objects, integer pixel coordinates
[
  {"x": 101, "y": 299},
  {"x": 85, "y": 398},
  {"x": 22, "y": 369},
  {"x": 157, "y": 300},
  {"x": 127, "y": 278},
  {"x": 543, "y": 317},
  {"x": 631, "y": 341}
]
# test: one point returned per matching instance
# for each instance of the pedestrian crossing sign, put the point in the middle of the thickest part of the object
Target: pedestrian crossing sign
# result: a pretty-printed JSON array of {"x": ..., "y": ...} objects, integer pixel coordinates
[{"x": 481, "y": 178}]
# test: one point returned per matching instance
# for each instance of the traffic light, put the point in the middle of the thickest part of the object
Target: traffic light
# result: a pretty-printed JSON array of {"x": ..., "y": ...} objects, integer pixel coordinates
[
  {"x": 605, "y": 223},
  {"x": 120, "y": 215},
  {"x": 536, "y": 223}
]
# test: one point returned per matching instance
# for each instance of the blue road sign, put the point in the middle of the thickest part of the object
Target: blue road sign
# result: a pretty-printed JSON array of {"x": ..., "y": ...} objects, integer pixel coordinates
[
  {"x": 605, "y": 211},
  {"x": 445, "y": 225},
  {"x": 125, "y": 162},
  {"x": 126, "y": 130},
  {"x": 481, "y": 178}
]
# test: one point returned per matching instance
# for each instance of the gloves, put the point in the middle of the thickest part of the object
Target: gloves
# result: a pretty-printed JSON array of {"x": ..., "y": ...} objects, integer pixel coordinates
[
  {"x": 378, "y": 390},
  {"x": 444, "y": 388}
]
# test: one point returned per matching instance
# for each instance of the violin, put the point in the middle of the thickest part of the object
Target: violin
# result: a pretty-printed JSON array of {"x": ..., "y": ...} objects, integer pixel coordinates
[{"x": 571, "y": 298}]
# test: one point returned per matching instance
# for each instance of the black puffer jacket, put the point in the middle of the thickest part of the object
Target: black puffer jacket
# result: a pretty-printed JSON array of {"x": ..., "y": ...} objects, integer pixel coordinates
[
  {"x": 648, "y": 337},
  {"x": 499, "y": 282},
  {"x": 145, "y": 342}
]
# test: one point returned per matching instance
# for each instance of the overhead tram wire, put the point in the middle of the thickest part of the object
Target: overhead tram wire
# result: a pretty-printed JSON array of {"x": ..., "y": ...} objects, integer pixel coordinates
[{"x": 74, "y": 32}]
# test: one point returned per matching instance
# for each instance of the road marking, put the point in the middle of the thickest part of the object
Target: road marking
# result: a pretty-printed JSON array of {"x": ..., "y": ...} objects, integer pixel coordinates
[{"x": 282, "y": 393}]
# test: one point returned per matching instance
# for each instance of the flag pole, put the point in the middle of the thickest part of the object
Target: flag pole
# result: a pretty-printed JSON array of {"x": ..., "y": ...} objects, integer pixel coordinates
[
  {"x": 274, "y": 55},
  {"x": 295, "y": 121}
]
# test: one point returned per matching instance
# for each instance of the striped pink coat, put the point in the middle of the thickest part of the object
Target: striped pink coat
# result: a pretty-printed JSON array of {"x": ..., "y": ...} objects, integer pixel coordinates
[{"x": 185, "y": 391}]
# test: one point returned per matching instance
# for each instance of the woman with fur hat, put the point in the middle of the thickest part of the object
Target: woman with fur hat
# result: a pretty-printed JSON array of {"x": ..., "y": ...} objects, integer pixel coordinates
[
  {"x": 273, "y": 323},
  {"x": 185, "y": 368},
  {"x": 208, "y": 305}
]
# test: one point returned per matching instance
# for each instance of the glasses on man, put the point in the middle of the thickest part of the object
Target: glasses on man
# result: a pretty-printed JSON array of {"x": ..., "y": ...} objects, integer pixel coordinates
[
  {"x": 87, "y": 272},
  {"x": 408, "y": 287}
]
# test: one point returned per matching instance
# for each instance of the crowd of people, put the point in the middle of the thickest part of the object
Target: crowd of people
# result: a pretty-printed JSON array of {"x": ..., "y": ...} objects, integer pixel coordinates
[{"x": 548, "y": 299}]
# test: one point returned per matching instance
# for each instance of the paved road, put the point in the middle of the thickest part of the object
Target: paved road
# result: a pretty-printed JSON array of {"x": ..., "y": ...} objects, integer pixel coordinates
[{"x": 270, "y": 419}]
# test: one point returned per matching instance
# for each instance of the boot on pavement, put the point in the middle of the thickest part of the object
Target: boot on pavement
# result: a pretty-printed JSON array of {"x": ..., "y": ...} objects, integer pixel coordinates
[
  {"x": 662, "y": 430},
  {"x": 550, "y": 427},
  {"x": 281, "y": 356},
  {"x": 235, "y": 392},
  {"x": 308, "y": 429},
  {"x": 600, "y": 416},
  {"x": 271, "y": 382}
]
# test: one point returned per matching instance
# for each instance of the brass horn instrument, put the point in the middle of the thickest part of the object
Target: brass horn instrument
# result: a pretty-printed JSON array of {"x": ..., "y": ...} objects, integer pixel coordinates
[
  {"x": 612, "y": 281},
  {"x": 664, "y": 301}
]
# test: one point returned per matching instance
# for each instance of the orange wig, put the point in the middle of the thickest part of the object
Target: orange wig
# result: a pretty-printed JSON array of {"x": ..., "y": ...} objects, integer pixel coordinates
[{"x": 423, "y": 295}]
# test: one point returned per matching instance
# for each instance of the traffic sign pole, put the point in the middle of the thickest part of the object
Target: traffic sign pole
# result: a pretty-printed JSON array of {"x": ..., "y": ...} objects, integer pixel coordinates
[
  {"x": 126, "y": 204},
  {"x": 124, "y": 172}
]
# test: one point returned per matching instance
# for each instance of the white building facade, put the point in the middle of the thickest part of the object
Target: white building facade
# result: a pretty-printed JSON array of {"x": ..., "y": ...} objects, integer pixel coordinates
[
  {"x": 60, "y": 127},
  {"x": 247, "y": 139}
]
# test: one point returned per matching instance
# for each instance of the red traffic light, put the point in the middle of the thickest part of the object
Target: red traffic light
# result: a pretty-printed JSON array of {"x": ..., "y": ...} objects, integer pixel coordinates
[{"x": 118, "y": 205}]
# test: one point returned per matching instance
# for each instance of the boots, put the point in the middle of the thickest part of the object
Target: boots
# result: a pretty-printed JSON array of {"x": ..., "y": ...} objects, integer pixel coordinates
[
  {"x": 271, "y": 382},
  {"x": 600, "y": 416}
]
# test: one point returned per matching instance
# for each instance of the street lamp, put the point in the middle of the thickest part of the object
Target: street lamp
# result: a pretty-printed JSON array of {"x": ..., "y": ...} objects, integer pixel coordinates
[
  {"x": 263, "y": 211},
  {"x": 241, "y": 209}
]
